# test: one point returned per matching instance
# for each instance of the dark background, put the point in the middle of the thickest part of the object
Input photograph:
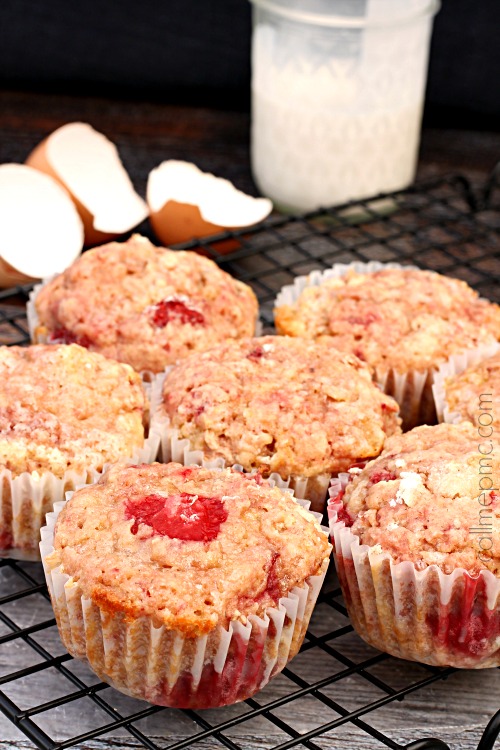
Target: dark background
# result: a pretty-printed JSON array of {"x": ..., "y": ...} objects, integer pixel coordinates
[{"x": 198, "y": 52}]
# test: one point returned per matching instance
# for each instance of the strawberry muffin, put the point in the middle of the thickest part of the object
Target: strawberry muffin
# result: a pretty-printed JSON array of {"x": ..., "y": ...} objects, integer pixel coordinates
[
  {"x": 403, "y": 322},
  {"x": 65, "y": 413},
  {"x": 277, "y": 405},
  {"x": 183, "y": 586},
  {"x": 417, "y": 544},
  {"x": 143, "y": 305},
  {"x": 468, "y": 388}
]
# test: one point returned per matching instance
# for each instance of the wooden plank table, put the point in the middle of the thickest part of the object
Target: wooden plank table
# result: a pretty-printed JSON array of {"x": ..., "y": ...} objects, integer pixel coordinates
[{"x": 455, "y": 710}]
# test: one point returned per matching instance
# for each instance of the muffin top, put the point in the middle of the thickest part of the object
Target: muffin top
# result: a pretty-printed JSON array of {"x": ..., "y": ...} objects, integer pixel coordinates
[
  {"x": 432, "y": 498},
  {"x": 63, "y": 407},
  {"x": 144, "y": 305},
  {"x": 192, "y": 548},
  {"x": 404, "y": 319},
  {"x": 476, "y": 392},
  {"x": 279, "y": 404}
]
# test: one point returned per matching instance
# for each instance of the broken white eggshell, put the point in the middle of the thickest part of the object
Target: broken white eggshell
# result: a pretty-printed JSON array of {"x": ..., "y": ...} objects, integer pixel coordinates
[
  {"x": 87, "y": 164},
  {"x": 41, "y": 232},
  {"x": 186, "y": 203}
]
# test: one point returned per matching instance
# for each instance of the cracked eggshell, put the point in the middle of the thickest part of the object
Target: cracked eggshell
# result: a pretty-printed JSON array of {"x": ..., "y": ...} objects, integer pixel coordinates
[
  {"x": 41, "y": 232},
  {"x": 88, "y": 165},
  {"x": 186, "y": 203}
]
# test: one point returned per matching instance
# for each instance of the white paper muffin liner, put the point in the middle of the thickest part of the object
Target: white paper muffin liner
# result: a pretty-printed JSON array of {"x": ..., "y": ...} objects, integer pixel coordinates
[
  {"x": 174, "y": 448},
  {"x": 25, "y": 499},
  {"x": 422, "y": 615},
  {"x": 39, "y": 337},
  {"x": 161, "y": 665},
  {"x": 456, "y": 365},
  {"x": 32, "y": 315},
  {"x": 413, "y": 389}
]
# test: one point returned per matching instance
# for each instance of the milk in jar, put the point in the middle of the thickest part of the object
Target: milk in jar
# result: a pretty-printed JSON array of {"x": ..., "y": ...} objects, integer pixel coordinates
[{"x": 336, "y": 108}]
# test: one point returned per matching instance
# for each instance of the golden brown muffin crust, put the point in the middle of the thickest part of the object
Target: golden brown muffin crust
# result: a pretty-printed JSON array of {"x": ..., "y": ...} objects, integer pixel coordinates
[
  {"x": 431, "y": 498},
  {"x": 279, "y": 404},
  {"x": 63, "y": 407},
  {"x": 187, "y": 571},
  {"x": 478, "y": 386},
  {"x": 404, "y": 319},
  {"x": 144, "y": 305}
]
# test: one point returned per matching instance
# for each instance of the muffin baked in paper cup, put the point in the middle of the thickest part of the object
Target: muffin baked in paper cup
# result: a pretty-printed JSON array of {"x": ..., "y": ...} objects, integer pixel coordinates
[
  {"x": 421, "y": 615},
  {"x": 174, "y": 448},
  {"x": 27, "y": 498},
  {"x": 38, "y": 333},
  {"x": 162, "y": 665},
  {"x": 456, "y": 365},
  {"x": 413, "y": 389}
]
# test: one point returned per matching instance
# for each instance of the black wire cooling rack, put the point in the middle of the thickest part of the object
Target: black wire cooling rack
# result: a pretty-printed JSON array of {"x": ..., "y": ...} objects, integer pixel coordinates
[{"x": 337, "y": 690}]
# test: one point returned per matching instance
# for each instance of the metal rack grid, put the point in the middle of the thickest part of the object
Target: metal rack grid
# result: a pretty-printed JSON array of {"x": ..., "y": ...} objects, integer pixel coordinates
[{"x": 442, "y": 225}]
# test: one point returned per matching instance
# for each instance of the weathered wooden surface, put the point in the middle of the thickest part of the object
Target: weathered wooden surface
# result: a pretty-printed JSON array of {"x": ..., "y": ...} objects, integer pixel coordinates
[{"x": 455, "y": 711}]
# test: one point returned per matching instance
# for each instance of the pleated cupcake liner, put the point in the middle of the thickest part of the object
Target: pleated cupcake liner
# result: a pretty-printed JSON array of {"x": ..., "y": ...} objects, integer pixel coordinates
[
  {"x": 37, "y": 335},
  {"x": 422, "y": 615},
  {"x": 456, "y": 365},
  {"x": 413, "y": 389},
  {"x": 162, "y": 665},
  {"x": 175, "y": 448},
  {"x": 26, "y": 498}
]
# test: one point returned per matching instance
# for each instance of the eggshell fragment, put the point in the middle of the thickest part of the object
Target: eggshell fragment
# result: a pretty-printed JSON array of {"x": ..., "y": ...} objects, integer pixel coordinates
[
  {"x": 10, "y": 277},
  {"x": 41, "y": 232},
  {"x": 87, "y": 164},
  {"x": 185, "y": 203}
]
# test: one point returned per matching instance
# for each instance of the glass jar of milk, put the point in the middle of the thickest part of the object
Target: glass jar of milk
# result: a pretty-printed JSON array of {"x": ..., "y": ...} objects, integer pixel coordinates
[{"x": 337, "y": 95}]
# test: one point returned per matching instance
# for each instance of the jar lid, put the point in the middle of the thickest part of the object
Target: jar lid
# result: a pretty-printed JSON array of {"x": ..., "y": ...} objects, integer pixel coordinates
[{"x": 350, "y": 14}]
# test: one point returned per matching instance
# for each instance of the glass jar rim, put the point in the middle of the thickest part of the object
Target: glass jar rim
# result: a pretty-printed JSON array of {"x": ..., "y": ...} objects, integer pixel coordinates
[{"x": 346, "y": 22}]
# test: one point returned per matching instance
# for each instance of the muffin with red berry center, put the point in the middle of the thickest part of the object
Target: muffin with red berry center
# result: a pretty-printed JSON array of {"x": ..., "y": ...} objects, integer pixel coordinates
[
  {"x": 143, "y": 305},
  {"x": 417, "y": 540},
  {"x": 203, "y": 579}
]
